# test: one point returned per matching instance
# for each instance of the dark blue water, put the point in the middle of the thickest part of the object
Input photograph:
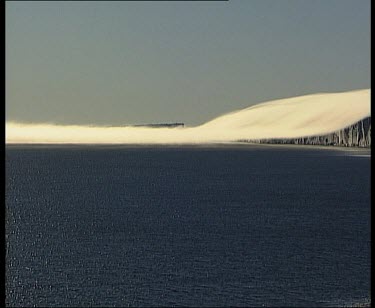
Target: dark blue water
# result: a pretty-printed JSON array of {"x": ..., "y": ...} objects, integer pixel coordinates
[{"x": 190, "y": 226}]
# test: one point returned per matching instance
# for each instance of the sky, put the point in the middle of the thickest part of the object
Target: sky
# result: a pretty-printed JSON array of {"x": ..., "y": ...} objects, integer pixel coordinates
[{"x": 118, "y": 63}]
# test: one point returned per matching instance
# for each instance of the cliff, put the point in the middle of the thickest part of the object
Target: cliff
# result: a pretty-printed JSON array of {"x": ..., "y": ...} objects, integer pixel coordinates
[{"x": 356, "y": 135}]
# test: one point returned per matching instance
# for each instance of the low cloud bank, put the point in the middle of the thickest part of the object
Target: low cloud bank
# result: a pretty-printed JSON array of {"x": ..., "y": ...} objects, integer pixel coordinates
[{"x": 302, "y": 116}]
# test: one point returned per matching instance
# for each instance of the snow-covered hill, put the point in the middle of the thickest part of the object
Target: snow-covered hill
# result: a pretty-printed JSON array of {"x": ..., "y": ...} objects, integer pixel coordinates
[{"x": 303, "y": 116}]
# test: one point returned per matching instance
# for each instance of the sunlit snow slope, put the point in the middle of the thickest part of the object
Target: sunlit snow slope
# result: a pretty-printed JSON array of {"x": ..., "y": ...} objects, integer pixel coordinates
[{"x": 302, "y": 116}]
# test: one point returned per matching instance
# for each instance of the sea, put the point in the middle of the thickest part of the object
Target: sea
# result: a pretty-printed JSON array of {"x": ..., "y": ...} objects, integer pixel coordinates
[{"x": 225, "y": 225}]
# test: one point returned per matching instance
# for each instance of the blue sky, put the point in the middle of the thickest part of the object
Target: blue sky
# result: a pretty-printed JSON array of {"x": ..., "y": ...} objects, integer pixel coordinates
[{"x": 125, "y": 62}]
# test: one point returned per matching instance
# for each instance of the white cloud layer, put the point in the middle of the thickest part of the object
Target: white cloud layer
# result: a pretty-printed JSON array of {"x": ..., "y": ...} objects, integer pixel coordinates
[{"x": 302, "y": 116}]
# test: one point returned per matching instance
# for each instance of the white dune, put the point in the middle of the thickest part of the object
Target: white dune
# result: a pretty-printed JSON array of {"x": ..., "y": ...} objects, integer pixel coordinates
[{"x": 303, "y": 116}]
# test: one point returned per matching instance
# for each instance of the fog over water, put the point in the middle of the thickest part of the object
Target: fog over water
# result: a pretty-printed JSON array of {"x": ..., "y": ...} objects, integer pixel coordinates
[{"x": 307, "y": 115}]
